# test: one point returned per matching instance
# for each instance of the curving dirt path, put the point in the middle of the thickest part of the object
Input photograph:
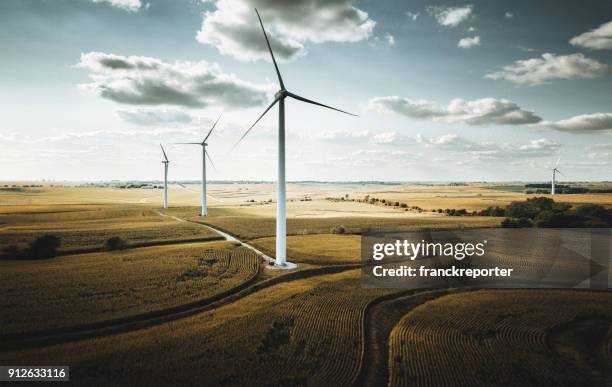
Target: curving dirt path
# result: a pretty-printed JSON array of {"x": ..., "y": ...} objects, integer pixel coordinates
[
  {"x": 225, "y": 235},
  {"x": 381, "y": 317}
]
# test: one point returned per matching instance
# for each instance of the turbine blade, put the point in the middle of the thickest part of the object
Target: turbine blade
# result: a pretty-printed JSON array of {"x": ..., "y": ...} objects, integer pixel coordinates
[
  {"x": 557, "y": 163},
  {"x": 317, "y": 103},
  {"x": 280, "y": 79},
  {"x": 213, "y": 127},
  {"x": 255, "y": 123},
  {"x": 166, "y": 157},
  {"x": 210, "y": 159}
]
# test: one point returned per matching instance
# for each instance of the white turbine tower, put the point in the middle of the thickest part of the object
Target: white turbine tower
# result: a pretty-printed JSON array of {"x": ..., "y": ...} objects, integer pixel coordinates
[
  {"x": 205, "y": 154},
  {"x": 281, "y": 216},
  {"x": 554, "y": 177},
  {"x": 166, "y": 162}
]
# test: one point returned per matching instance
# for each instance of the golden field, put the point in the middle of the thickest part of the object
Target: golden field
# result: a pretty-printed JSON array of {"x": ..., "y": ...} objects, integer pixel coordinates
[{"x": 178, "y": 304}]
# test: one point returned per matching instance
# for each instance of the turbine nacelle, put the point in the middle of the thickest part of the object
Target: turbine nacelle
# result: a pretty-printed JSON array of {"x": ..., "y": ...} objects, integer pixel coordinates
[{"x": 281, "y": 94}]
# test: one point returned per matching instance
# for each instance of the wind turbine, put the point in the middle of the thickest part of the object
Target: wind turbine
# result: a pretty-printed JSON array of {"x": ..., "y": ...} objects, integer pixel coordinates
[
  {"x": 166, "y": 162},
  {"x": 205, "y": 154},
  {"x": 554, "y": 176},
  {"x": 281, "y": 215}
]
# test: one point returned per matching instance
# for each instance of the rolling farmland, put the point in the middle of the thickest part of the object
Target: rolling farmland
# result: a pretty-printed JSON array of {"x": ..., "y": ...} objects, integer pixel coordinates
[{"x": 178, "y": 302}]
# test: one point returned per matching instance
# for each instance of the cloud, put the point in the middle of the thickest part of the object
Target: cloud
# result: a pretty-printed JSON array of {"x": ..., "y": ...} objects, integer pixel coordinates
[
  {"x": 128, "y": 5},
  {"x": 385, "y": 138},
  {"x": 469, "y": 42},
  {"x": 598, "y": 39},
  {"x": 342, "y": 136},
  {"x": 508, "y": 15},
  {"x": 536, "y": 71},
  {"x": 413, "y": 15},
  {"x": 154, "y": 117},
  {"x": 390, "y": 39},
  {"x": 491, "y": 151},
  {"x": 584, "y": 123},
  {"x": 449, "y": 16},
  {"x": 138, "y": 80},
  {"x": 485, "y": 111},
  {"x": 538, "y": 148},
  {"x": 234, "y": 30}
]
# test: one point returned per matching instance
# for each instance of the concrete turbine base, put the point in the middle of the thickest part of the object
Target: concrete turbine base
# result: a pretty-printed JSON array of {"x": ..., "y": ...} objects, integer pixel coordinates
[{"x": 286, "y": 266}]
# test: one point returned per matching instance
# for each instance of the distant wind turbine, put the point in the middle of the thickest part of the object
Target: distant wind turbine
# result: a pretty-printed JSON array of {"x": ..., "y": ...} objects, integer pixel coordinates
[
  {"x": 166, "y": 162},
  {"x": 554, "y": 176},
  {"x": 205, "y": 155},
  {"x": 281, "y": 216}
]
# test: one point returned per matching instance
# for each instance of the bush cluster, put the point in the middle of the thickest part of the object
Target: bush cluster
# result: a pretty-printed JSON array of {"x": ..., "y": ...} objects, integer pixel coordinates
[
  {"x": 544, "y": 212},
  {"x": 43, "y": 247}
]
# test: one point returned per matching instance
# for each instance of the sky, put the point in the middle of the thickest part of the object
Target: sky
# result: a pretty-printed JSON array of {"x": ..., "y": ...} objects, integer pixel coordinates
[{"x": 444, "y": 91}]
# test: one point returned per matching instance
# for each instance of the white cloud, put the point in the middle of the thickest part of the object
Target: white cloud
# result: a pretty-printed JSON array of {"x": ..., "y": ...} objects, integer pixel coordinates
[
  {"x": 598, "y": 39},
  {"x": 390, "y": 39},
  {"x": 342, "y": 135},
  {"x": 584, "y": 123},
  {"x": 539, "y": 147},
  {"x": 413, "y": 15},
  {"x": 508, "y": 15},
  {"x": 491, "y": 151},
  {"x": 451, "y": 16},
  {"x": 128, "y": 5},
  {"x": 137, "y": 80},
  {"x": 537, "y": 71},
  {"x": 468, "y": 42},
  {"x": 385, "y": 138},
  {"x": 485, "y": 111},
  {"x": 234, "y": 30},
  {"x": 154, "y": 117}
]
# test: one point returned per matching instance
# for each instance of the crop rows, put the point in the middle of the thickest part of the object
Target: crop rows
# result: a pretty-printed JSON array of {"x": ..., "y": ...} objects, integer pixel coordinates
[
  {"x": 78, "y": 289},
  {"x": 489, "y": 337}
]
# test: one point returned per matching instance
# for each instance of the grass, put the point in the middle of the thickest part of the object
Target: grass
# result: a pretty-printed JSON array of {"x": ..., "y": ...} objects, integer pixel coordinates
[
  {"x": 79, "y": 289},
  {"x": 498, "y": 336}
]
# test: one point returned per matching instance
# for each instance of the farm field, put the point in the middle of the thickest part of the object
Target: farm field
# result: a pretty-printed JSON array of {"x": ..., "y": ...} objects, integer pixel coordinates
[
  {"x": 302, "y": 332},
  {"x": 86, "y": 288},
  {"x": 312, "y": 326},
  {"x": 89, "y": 227},
  {"x": 521, "y": 337}
]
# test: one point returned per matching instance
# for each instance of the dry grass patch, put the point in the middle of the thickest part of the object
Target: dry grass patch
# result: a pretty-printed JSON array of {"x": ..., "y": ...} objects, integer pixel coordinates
[{"x": 317, "y": 249}]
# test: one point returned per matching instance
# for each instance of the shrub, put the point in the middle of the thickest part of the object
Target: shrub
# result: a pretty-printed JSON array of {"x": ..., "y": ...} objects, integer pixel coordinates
[
  {"x": 516, "y": 222},
  {"x": 44, "y": 247},
  {"x": 338, "y": 230},
  {"x": 115, "y": 243}
]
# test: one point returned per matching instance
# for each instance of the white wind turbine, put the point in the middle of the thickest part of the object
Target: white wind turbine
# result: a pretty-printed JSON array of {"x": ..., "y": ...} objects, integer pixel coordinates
[
  {"x": 205, "y": 154},
  {"x": 281, "y": 216},
  {"x": 554, "y": 177},
  {"x": 166, "y": 162}
]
